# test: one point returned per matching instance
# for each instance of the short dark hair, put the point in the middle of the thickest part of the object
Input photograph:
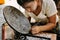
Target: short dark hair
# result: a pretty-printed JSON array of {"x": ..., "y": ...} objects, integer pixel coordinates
[{"x": 21, "y": 2}]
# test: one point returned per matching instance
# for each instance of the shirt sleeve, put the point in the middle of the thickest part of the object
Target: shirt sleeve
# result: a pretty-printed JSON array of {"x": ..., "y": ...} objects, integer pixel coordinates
[
  {"x": 50, "y": 8},
  {"x": 26, "y": 13}
]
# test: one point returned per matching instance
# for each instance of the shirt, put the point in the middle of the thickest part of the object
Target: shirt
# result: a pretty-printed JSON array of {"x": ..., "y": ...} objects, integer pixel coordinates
[{"x": 48, "y": 8}]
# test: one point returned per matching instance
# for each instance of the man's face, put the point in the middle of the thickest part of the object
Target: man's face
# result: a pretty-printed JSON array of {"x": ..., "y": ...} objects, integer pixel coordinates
[{"x": 30, "y": 6}]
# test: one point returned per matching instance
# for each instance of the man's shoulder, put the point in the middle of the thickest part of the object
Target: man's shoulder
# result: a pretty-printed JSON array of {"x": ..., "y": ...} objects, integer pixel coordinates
[{"x": 48, "y": 1}]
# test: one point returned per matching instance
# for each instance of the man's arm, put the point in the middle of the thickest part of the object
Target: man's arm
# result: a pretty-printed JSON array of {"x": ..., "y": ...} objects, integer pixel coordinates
[{"x": 48, "y": 26}]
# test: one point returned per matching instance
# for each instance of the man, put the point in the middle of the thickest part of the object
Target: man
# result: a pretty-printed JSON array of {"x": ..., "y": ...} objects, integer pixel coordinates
[{"x": 41, "y": 9}]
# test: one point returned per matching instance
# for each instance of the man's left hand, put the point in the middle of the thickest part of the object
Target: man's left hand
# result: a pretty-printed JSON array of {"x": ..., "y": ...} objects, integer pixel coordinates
[{"x": 35, "y": 29}]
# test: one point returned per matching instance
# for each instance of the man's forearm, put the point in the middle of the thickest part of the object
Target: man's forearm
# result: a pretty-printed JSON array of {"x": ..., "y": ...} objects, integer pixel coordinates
[{"x": 47, "y": 27}]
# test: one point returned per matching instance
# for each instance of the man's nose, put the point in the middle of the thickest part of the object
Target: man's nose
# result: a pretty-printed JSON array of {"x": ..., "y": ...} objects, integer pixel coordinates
[{"x": 28, "y": 9}]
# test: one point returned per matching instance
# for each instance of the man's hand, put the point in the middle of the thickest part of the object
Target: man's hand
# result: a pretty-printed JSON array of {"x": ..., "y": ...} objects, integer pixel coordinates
[{"x": 35, "y": 30}]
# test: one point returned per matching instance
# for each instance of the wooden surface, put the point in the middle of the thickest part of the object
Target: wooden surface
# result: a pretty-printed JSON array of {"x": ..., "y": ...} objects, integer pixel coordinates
[{"x": 48, "y": 35}]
